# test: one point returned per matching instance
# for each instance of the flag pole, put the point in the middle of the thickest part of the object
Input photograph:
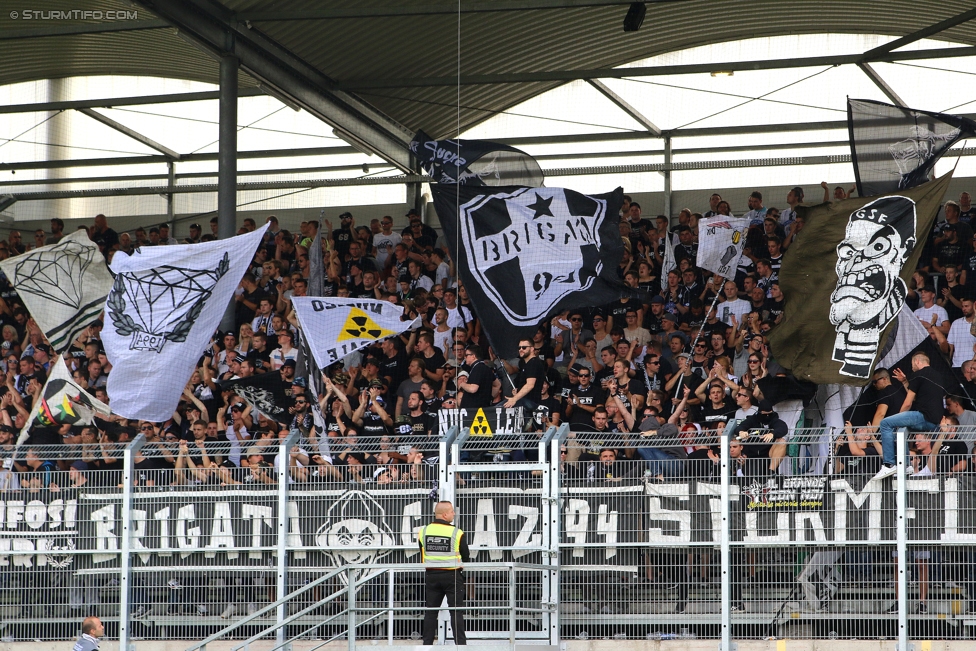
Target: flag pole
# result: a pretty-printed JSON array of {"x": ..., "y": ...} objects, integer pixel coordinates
[{"x": 677, "y": 388}]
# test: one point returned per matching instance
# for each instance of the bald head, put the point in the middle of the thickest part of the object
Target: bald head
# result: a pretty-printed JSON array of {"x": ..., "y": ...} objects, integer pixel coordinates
[{"x": 444, "y": 511}]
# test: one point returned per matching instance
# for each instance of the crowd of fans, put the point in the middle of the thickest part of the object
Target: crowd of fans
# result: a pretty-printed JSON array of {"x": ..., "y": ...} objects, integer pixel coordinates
[{"x": 669, "y": 366}]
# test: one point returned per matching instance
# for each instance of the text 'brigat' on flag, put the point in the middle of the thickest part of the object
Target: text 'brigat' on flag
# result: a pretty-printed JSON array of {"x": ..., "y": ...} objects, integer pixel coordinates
[
  {"x": 525, "y": 253},
  {"x": 62, "y": 285},
  {"x": 720, "y": 243},
  {"x": 336, "y": 327},
  {"x": 165, "y": 305}
]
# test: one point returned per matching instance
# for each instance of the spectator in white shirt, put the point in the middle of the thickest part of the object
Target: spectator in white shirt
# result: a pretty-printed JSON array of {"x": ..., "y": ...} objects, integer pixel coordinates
[
  {"x": 961, "y": 339},
  {"x": 285, "y": 351},
  {"x": 929, "y": 309}
]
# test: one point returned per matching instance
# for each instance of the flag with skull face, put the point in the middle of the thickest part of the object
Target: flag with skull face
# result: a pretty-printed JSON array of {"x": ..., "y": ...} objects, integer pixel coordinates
[{"x": 844, "y": 281}]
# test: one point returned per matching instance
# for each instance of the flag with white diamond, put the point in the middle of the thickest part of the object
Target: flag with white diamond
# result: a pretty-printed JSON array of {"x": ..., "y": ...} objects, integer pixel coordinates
[
  {"x": 720, "y": 244},
  {"x": 526, "y": 253},
  {"x": 336, "y": 327},
  {"x": 62, "y": 402},
  {"x": 62, "y": 285},
  {"x": 165, "y": 305}
]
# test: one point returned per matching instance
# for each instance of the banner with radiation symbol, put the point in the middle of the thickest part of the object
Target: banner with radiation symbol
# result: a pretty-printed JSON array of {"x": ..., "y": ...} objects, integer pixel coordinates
[{"x": 336, "y": 327}]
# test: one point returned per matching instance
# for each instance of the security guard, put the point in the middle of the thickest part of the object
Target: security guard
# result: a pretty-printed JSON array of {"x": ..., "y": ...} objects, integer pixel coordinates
[{"x": 444, "y": 550}]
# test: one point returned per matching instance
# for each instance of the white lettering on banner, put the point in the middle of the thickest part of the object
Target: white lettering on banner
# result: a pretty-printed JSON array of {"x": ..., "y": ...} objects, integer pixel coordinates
[
  {"x": 577, "y": 524},
  {"x": 782, "y": 529},
  {"x": 138, "y": 533},
  {"x": 187, "y": 538},
  {"x": 294, "y": 534},
  {"x": 842, "y": 491},
  {"x": 501, "y": 420},
  {"x": 257, "y": 515},
  {"x": 15, "y": 513},
  {"x": 412, "y": 513},
  {"x": 526, "y": 538},
  {"x": 715, "y": 504},
  {"x": 22, "y": 545},
  {"x": 816, "y": 524},
  {"x": 35, "y": 514},
  {"x": 54, "y": 511},
  {"x": 105, "y": 540},
  {"x": 657, "y": 512},
  {"x": 485, "y": 534},
  {"x": 222, "y": 531},
  {"x": 606, "y": 526},
  {"x": 950, "y": 531},
  {"x": 162, "y": 516}
]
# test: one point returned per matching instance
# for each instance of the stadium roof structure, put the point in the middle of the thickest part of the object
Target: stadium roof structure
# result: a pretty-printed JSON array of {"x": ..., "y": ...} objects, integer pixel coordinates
[{"x": 381, "y": 69}]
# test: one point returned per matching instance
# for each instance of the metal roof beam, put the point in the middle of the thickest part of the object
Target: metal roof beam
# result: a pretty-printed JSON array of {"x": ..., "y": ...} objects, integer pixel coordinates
[
  {"x": 624, "y": 106},
  {"x": 650, "y": 71},
  {"x": 427, "y": 9},
  {"x": 132, "y": 133},
  {"x": 86, "y": 28},
  {"x": 872, "y": 54},
  {"x": 185, "y": 158},
  {"x": 881, "y": 83},
  {"x": 215, "y": 29},
  {"x": 113, "y": 102}
]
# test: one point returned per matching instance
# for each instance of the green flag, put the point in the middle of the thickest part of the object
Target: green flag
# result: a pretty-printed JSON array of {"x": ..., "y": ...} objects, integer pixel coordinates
[{"x": 845, "y": 279}]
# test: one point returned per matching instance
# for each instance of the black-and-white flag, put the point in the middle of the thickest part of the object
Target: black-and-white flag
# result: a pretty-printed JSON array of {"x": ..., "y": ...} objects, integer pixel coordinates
[
  {"x": 526, "y": 253},
  {"x": 62, "y": 402},
  {"x": 475, "y": 162},
  {"x": 895, "y": 148},
  {"x": 163, "y": 308},
  {"x": 266, "y": 393},
  {"x": 63, "y": 286},
  {"x": 336, "y": 327}
]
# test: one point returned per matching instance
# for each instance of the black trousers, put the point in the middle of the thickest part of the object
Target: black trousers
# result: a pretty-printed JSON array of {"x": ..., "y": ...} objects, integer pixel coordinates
[{"x": 440, "y": 584}]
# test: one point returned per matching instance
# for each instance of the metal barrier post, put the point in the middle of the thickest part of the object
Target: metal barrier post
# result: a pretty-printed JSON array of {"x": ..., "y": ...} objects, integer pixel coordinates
[
  {"x": 901, "y": 527},
  {"x": 555, "y": 534},
  {"x": 125, "y": 569},
  {"x": 511, "y": 604},
  {"x": 352, "y": 576},
  {"x": 283, "y": 476},
  {"x": 726, "y": 548},
  {"x": 391, "y": 592}
]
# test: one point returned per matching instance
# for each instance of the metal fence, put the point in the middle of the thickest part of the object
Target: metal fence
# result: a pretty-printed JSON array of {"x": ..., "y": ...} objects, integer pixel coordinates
[{"x": 589, "y": 535}]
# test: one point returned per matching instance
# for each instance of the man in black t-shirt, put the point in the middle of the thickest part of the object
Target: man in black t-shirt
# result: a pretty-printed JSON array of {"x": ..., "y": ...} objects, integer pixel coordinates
[
  {"x": 475, "y": 388},
  {"x": 951, "y": 454},
  {"x": 532, "y": 371},
  {"x": 584, "y": 399},
  {"x": 921, "y": 410},
  {"x": 890, "y": 397},
  {"x": 343, "y": 235}
]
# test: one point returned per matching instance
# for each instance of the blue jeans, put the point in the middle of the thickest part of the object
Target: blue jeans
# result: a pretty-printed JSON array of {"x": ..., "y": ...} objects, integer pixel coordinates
[
  {"x": 913, "y": 420},
  {"x": 661, "y": 463}
]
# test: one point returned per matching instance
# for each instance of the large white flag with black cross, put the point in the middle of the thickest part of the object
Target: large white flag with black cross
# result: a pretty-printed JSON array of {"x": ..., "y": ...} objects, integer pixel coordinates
[
  {"x": 62, "y": 285},
  {"x": 160, "y": 315},
  {"x": 336, "y": 327}
]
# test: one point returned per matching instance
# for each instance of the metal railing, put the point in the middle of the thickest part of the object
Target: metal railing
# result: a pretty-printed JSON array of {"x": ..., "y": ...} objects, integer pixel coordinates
[{"x": 718, "y": 538}]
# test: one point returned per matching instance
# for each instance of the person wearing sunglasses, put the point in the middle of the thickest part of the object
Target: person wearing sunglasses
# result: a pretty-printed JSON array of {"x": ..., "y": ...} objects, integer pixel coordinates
[{"x": 527, "y": 384}]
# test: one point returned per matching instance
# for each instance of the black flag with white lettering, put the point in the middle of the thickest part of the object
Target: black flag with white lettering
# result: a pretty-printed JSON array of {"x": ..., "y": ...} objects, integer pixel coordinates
[
  {"x": 475, "y": 162},
  {"x": 527, "y": 253},
  {"x": 895, "y": 148},
  {"x": 266, "y": 393}
]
